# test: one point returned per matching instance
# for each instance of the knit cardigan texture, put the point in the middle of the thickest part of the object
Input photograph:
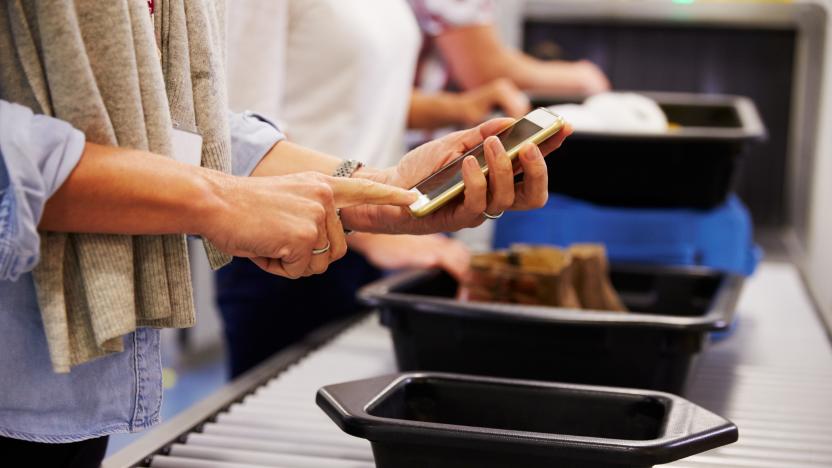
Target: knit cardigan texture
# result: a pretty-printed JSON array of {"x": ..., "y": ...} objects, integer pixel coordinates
[{"x": 124, "y": 79}]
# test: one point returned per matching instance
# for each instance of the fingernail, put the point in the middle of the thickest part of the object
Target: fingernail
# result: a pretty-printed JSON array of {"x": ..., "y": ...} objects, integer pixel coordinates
[
  {"x": 472, "y": 162},
  {"x": 493, "y": 142}
]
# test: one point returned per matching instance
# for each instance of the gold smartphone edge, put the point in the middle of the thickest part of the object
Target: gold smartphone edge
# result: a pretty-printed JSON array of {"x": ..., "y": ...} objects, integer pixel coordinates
[{"x": 454, "y": 191}]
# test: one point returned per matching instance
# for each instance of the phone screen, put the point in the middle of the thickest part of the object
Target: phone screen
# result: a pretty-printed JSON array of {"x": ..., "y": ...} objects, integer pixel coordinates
[{"x": 450, "y": 175}]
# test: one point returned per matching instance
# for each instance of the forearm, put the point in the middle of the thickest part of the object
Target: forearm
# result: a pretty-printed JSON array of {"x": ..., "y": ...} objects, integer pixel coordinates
[
  {"x": 431, "y": 111},
  {"x": 557, "y": 76},
  {"x": 288, "y": 158},
  {"x": 120, "y": 191},
  {"x": 476, "y": 56}
]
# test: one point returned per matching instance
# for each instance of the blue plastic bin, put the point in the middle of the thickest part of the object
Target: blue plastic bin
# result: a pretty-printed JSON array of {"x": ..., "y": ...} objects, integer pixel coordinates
[{"x": 720, "y": 238}]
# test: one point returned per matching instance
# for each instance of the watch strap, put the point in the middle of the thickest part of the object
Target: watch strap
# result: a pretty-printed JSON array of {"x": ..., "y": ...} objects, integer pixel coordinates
[{"x": 346, "y": 169}]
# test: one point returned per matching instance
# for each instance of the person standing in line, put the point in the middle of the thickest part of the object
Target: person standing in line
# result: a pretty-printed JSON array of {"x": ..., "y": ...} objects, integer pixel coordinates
[
  {"x": 94, "y": 210},
  {"x": 463, "y": 48},
  {"x": 349, "y": 91}
]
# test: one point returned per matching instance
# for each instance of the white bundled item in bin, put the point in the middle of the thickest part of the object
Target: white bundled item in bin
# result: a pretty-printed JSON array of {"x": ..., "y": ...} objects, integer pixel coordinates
[{"x": 615, "y": 112}]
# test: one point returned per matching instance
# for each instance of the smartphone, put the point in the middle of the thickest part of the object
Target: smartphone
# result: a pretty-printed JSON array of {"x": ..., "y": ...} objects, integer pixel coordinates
[{"x": 436, "y": 190}]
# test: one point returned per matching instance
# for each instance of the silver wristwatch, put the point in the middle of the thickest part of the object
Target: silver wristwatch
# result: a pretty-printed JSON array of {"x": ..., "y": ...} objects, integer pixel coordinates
[{"x": 347, "y": 169}]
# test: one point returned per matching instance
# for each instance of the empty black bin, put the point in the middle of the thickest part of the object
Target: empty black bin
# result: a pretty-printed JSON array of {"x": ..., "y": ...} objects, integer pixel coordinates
[
  {"x": 652, "y": 347},
  {"x": 693, "y": 165},
  {"x": 452, "y": 421}
]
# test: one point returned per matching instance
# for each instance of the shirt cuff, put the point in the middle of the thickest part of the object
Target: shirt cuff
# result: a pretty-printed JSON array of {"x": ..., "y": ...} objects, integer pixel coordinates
[
  {"x": 37, "y": 154},
  {"x": 252, "y": 136}
]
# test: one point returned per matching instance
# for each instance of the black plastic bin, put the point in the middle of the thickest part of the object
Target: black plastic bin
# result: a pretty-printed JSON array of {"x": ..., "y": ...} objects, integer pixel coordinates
[
  {"x": 454, "y": 421},
  {"x": 652, "y": 347},
  {"x": 692, "y": 166}
]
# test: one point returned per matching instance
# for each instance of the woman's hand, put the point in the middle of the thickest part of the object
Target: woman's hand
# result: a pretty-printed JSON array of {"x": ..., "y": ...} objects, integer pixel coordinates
[
  {"x": 391, "y": 252},
  {"x": 494, "y": 195},
  {"x": 474, "y": 106},
  {"x": 467, "y": 108},
  {"x": 277, "y": 222},
  {"x": 582, "y": 77}
]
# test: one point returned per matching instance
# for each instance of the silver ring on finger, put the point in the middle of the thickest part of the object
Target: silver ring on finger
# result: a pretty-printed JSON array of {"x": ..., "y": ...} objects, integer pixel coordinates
[
  {"x": 323, "y": 249},
  {"x": 496, "y": 216}
]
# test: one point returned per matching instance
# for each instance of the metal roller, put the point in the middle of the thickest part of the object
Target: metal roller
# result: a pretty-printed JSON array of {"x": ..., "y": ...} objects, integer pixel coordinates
[
  {"x": 263, "y": 458},
  {"x": 271, "y": 446},
  {"x": 163, "y": 461},
  {"x": 781, "y": 400},
  {"x": 331, "y": 439}
]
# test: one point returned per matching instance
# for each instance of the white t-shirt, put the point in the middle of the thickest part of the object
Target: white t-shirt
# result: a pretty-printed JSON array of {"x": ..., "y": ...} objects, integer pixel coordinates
[{"x": 337, "y": 74}]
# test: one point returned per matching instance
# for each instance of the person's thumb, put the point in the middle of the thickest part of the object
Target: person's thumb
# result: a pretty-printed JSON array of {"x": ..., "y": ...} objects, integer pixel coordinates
[{"x": 351, "y": 192}]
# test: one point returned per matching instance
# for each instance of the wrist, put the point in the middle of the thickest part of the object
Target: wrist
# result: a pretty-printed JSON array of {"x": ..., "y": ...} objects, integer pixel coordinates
[
  {"x": 210, "y": 201},
  {"x": 436, "y": 110},
  {"x": 287, "y": 158},
  {"x": 459, "y": 105},
  {"x": 453, "y": 109}
]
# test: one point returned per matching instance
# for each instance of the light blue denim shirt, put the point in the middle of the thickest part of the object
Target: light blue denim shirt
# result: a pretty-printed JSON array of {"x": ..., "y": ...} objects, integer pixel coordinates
[{"x": 118, "y": 393}]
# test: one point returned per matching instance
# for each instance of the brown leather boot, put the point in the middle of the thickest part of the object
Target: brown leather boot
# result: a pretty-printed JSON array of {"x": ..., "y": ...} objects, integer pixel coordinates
[
  {"x": 544, "y": 276},
  {"x": 592, "y": 280}
]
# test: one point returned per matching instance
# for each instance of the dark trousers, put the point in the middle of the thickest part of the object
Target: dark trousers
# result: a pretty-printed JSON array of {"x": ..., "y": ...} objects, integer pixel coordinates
[
  {"x": 264, "y": 314},
  {"x": 84, "y": 454}
]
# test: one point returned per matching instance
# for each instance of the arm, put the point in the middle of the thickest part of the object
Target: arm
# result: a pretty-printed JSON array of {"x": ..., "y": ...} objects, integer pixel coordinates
[
  {"x": 430, "y": 111},
  {"x": 108, "y": 192},
  {"x": 121, "y": 191},
  {"x": 289, "y": 158},
  {"x": 279, "y": 221},
  {"x": 275, "y": 221},
  {"x": 476, "y": 55}
]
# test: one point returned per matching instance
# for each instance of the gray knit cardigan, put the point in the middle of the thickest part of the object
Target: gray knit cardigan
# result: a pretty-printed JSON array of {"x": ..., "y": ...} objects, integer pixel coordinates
[{"x": 123, "y": 79}]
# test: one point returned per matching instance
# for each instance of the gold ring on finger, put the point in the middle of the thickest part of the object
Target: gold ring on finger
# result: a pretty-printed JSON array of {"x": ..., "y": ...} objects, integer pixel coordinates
[{"x": 323, "y": 249}]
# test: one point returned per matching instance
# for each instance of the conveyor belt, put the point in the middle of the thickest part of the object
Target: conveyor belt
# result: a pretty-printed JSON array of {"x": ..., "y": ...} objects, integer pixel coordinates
[{"x": 773, "y": 377}]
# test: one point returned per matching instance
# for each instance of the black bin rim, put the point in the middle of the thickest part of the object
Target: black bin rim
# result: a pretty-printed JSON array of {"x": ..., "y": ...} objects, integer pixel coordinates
[
  {"x": 382, "y": 295},
  {"x": 687, "y": 429},
  {"x": 751, "y": 126}
]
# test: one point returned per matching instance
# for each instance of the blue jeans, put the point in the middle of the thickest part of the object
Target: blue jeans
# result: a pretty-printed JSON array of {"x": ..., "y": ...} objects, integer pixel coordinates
[{"x": 264, "y": 314}]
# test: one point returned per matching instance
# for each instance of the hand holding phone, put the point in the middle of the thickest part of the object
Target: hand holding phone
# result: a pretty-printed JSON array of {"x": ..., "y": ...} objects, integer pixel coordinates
[{"x": 446, "y": 184}]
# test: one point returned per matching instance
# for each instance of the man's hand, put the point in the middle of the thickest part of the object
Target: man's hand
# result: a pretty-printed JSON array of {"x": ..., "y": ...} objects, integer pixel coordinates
[
  {"x": 494, "y": 195},
  {"x": 279, "y": 221},
  {"x": 395, "y": 252}
]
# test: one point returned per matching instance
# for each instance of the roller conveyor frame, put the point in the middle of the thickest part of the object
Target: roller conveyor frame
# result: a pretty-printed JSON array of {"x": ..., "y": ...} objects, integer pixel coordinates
[
  {"x": 159, "y": 440},
  {"x": 772, "y": 376}
]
